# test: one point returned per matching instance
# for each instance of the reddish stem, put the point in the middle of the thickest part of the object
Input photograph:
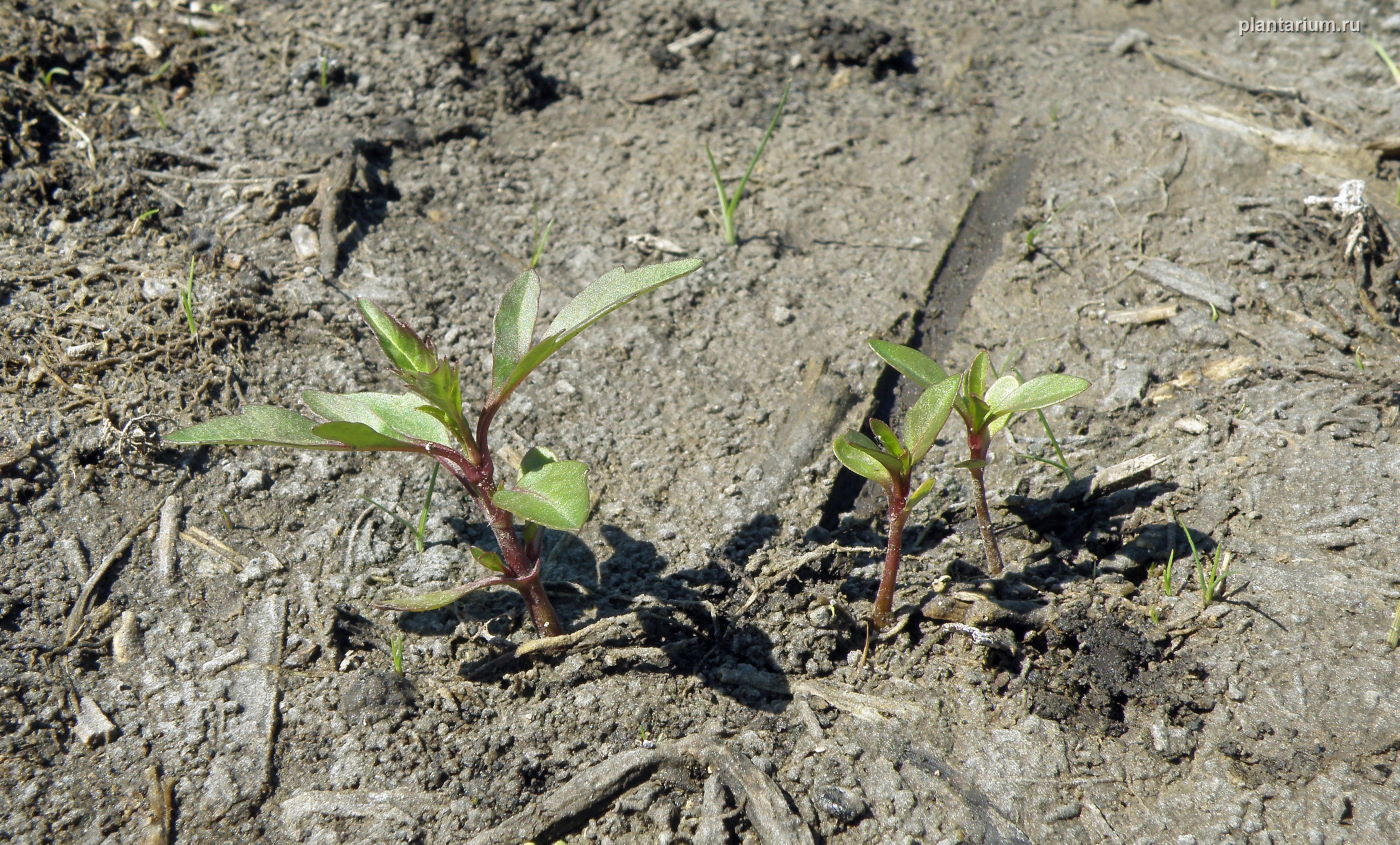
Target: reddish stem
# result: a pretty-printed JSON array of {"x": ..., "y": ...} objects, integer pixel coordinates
[
  {"x": 977, "y": 442},
  {"x": 894, "y": 549}
]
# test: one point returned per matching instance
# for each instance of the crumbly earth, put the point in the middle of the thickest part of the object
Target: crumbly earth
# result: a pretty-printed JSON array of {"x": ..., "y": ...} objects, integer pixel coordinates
[{"x": 190, "y": 650}]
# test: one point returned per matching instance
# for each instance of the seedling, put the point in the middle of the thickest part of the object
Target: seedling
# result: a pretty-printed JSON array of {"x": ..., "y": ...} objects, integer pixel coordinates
[
  {"x": 541, "y": 242},
  {"x": 729, "y": 203},
  {"x": 1167, "y": 570},
  {"x": 48, "y": 76},
  {"x": 1385, "y": 57},
  {"x": 986, "y": 405},
  {"x": 1211, "y": 572},
  {"x": 418, "y": 528},
  {"x": 430, "y": 421},
  {"x": 324, "y": 68},
  {"x": 1392, "y": 637},
  {"x": 396, "y": 653},
  {"x": 187, "y": 301},
  {"x": 890, "y": 463}
]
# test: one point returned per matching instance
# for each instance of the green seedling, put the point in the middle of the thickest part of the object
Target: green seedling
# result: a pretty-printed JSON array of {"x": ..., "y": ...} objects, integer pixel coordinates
[
  {"x": 415, "y": 529},
  {"x": 889, "y": 461},
  {"x": 187, "y": 301},
  {"x": 396, "y": 653},
  {"x": 48, "y": 76},
  {"x": 1167, "y": 570},
  {"x": 541, "y": 242},
  {"x": 324, "y": 67},
  {"x": 1385, "y": 57},
  {"x": 1211, "y": 572},
  {"x": 1392, "y": 637},
  {"x": 729, "y": 203},
  {"x": 985, "y": 404},
  {"x": 430, "y": 420}
]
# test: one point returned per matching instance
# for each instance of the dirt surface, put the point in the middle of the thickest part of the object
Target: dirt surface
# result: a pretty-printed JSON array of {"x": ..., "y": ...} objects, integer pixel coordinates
[{"x": 190, "y": 652}]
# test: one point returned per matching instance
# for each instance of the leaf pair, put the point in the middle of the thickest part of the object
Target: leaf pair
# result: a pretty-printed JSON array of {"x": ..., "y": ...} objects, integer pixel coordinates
[
  {"x": 890, "y": 462},
  {"x": 360, "y": 421},
  {"x": 985, "y": 407}
]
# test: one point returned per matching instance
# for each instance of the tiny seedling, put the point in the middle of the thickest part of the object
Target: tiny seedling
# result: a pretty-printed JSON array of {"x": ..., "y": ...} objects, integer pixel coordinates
[
  {"x": 1211, "y": 572},
  {"x": 541, "y": 242},
  {"x": 430, "y": 420},
  {"x": 985, "y": 404},
  {"x": 1392, "y": 637},
  {"x": 889, "y": 461},
  {"x": 48, "y": 76},
  {"x": 416, "y": 529},
  {"x": 187, "y": 301},
  {"x": 1385, "y": 57},
  {"x": 729, "y": 203},
  {"x": 324, "y": 67},
  {"x": 1167, "y": 571},
  {"x": 396, "y": 653}
]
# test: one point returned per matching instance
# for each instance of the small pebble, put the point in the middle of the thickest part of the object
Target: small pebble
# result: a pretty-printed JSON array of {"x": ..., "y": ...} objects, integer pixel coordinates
[
  {"x": 304, "y": 242},
  {"x": 1191, "y": 425}
]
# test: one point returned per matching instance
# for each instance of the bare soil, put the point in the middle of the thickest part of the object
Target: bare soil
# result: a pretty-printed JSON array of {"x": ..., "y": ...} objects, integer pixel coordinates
[{"x": 190, "y": 652}]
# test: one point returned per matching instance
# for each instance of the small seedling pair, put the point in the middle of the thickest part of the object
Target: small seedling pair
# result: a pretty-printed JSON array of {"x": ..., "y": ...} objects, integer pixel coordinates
[
  {"x": 985, "y": 403},
  {"x": 729, "y": 202},
  {"x": 429, "y": 420}
]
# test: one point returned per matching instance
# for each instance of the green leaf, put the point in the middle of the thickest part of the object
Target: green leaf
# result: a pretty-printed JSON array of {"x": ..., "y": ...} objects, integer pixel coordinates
[
  {"x": 919, "y": 494},
  {"x": 911, "y": 362},
  {"x": 1042, "y": 392},
  {"x": 434, "y": 600},
  {"x": 442, "y": 389},
  {"x": 887, "y": 437},
  {"x": 536, "y": 459},
  {"x": 515, "y": 325},
  {"x": 599, "y": 299},
  {"x": 1000, "y": 389},
  {"x": 928, "y": 416},
  {"x": 614, "y": 290},
  {"x": 396, "y": 415},
  {"x": 360, "y": 436},
  {"x": 401, "y": 344},
  {"x": 490, "y": 560},
  {"x": 977, "y": 374},
  {"x": 555, "y": 495},
  {"x": 256, "y": 425},
  {"x": 860, "y": 460}
]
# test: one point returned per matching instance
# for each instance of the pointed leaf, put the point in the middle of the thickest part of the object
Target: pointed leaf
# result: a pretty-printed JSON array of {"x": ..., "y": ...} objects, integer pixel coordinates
[
  {"x": 615, "y": 289},
  {"x": 859, "y": 460},
  {"x": 256, "y": 425},
  {"x": 437, "y": 598},
  {"x": 441, "y": 388},
  {"x": 911, "y": 362},
  {"x": 360, "y": 436},
  {"x": 599, "y": 299},
  {"x": 396, "y": 415},
  {"x": 555, "y": 496},
  {"x": 490, "y": 560},
  {"x": 401, "y": 344},
  {"x": 928, "y": 416},
  {"x": 888, "y": 438},
  {"x": 977, "y": 374},
  {"x": 919, "y": 494},
  {"x": 1042, "y": 392},
  {"x": 515, "y": 325}
]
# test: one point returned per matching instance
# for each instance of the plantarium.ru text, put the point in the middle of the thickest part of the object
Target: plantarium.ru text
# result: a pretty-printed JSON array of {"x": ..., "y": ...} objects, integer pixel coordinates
[{"x": 430, "y": 420}]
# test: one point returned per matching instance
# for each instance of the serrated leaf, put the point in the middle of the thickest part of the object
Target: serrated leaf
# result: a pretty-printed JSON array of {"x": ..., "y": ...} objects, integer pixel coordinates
[
  {"x": 256, "y": 425},
  {"x": 599, "y": 299},
  {"x": 927, "y": 417},
  {"x": 515, "y": 326},
  {"x": 977, "y": 375},
  {"x": 401, "y": 345},
  {"x": 888, "y": 438},
  {"x": 396, "y": 415},
  {"x": 490, "y": 560},
  {"x": 1042, "y": 392},
  {"x": 919, "y": 493},
  {"x": 555, "y": 496},
  {"x": 910, "y": 362},
  {"x": 860, "y": 460}
]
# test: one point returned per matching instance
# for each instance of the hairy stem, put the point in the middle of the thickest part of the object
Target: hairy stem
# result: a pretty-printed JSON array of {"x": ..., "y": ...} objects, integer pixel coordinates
[{"x": 894, "y": 549}]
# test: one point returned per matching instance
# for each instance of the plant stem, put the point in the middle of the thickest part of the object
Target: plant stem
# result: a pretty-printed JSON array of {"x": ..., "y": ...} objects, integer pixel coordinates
[
  {"x": 894, "y": 548},
  {"x": 977, "y": 449}
]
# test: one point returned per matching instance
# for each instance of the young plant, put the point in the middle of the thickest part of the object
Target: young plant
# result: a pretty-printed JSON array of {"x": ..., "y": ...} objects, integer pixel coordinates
[
  {"x": 729, "y": 203},
  {"x": 541, "y": 242},
  {"x": 986, "y": 405},
  {"x": 416, "y": 529},
  {"x": 889, "y": 461},
  {"x": 187, "y": 301},
  {"x": 430, "y": 420},
  {"x": 1211, "y": 572}
]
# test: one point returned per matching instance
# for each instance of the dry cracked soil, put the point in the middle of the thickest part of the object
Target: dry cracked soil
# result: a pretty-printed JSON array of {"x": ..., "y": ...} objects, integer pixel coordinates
[{"x": 194, "y": 194}]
